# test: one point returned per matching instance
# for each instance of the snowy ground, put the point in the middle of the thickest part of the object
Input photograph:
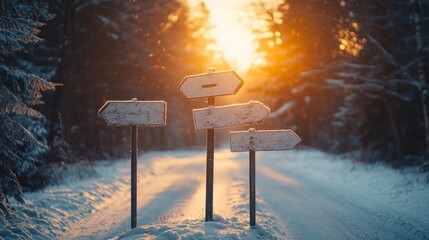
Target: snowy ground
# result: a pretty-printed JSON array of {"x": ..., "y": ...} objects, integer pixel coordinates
[{"x": 301, "y": 194}]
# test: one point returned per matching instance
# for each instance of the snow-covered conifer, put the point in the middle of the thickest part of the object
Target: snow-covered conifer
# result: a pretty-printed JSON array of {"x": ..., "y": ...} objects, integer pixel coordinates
[{"x": 21, "y": 126}]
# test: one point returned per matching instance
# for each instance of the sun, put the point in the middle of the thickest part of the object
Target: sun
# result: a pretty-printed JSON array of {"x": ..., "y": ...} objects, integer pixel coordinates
[
  {"x": 236, "y": 44},
  {"x": 233, "y": 39}
]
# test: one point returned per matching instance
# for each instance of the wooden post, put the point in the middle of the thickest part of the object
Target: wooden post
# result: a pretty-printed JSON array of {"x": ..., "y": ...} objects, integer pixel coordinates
[
  {"x": 134, "y": 142},
  {"x": 210, "y": 164},
  {"x": 252, "y": 188}
]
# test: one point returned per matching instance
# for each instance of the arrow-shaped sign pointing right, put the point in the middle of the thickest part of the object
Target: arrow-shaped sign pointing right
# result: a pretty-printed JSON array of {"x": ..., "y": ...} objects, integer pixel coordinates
[
  {"x": 230, "y": 115},
  {"x": 263, "y": 140}
]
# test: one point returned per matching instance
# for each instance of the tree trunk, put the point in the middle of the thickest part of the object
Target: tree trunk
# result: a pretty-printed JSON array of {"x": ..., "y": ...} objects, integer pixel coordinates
[
  {"x": 395, "y": 130},
  {"x": 422, "y": 66},
  {"x": 67, "y": 67}
]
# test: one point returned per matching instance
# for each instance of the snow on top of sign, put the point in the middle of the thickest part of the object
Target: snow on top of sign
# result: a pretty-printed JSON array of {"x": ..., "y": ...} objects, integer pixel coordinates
[{"x": 252, "y": 102}]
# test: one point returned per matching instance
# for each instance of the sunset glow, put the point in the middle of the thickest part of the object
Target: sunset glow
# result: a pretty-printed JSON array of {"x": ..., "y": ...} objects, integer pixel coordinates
[
  {"x": 233, "y": 39},
  {"x": 235, "y": 42}
]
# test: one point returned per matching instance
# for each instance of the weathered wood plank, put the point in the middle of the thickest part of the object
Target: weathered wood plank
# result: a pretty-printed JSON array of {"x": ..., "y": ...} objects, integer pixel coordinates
[
  {"x": 210, "y": 85},
  {"x": 230, "y": 115},
  {"x": 263, "y": 140},
  {"x": 134, "y": 113}
]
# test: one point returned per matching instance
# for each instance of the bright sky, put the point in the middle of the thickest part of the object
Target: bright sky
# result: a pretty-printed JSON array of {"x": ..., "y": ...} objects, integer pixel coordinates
[{"x": 231, "y": 34}]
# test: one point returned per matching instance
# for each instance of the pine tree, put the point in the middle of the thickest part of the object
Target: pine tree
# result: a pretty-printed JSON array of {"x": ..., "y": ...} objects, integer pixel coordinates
[
  {"x": 21, "y": 126},
  {"x": 351, "y": 76},
  {"x": 421, "y": 21},
  {"x": 386, "y": 90},
  {"x": 298, "y": 48}
]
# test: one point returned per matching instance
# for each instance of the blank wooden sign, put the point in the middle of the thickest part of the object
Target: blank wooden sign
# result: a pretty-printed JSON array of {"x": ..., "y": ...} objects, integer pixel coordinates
[
  {"x": 210, "y": 85},
  {"x": 230, "y": 115},
  {"x": 134, "y": 113},
  {"x": 263, "y": 140}
]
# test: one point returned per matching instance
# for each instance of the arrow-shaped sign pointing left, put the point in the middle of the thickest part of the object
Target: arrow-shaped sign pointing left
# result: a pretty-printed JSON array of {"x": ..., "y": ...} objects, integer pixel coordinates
[
  {"x": 230, "y": 115},
  {"x": 134, "y": 113}
]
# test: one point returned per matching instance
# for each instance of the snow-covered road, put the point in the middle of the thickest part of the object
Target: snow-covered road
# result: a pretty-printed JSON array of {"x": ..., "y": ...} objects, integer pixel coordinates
[
  {"x": 174, "y": 191},
  {"x": 301, "y": 194},
  {"x": 316, "y": 207}
]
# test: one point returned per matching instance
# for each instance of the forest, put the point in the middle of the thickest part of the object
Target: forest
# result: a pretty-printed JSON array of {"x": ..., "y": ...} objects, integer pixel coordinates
[{"x": 349, "y": 76}]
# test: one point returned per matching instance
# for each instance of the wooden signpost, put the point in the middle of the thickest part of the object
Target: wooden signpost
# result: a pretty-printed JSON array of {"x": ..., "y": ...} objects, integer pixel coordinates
[
  {"x": 230, "y": 115},
  {"x": 210, "y": 85},
  {"x": 263, "y": 140},
  {"x": 134, "y": 113},
  {"x": 266, "y": 140}
]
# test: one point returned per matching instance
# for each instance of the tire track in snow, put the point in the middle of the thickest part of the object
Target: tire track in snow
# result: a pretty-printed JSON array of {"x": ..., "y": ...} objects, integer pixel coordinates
[
  {"x": 175, "y": 196},
  {"x": 314, "y": 208},
  {"x": 156, "y": 196},
  {"x": 225, "y": 168},
  {"x": 175, "y": 193}
]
